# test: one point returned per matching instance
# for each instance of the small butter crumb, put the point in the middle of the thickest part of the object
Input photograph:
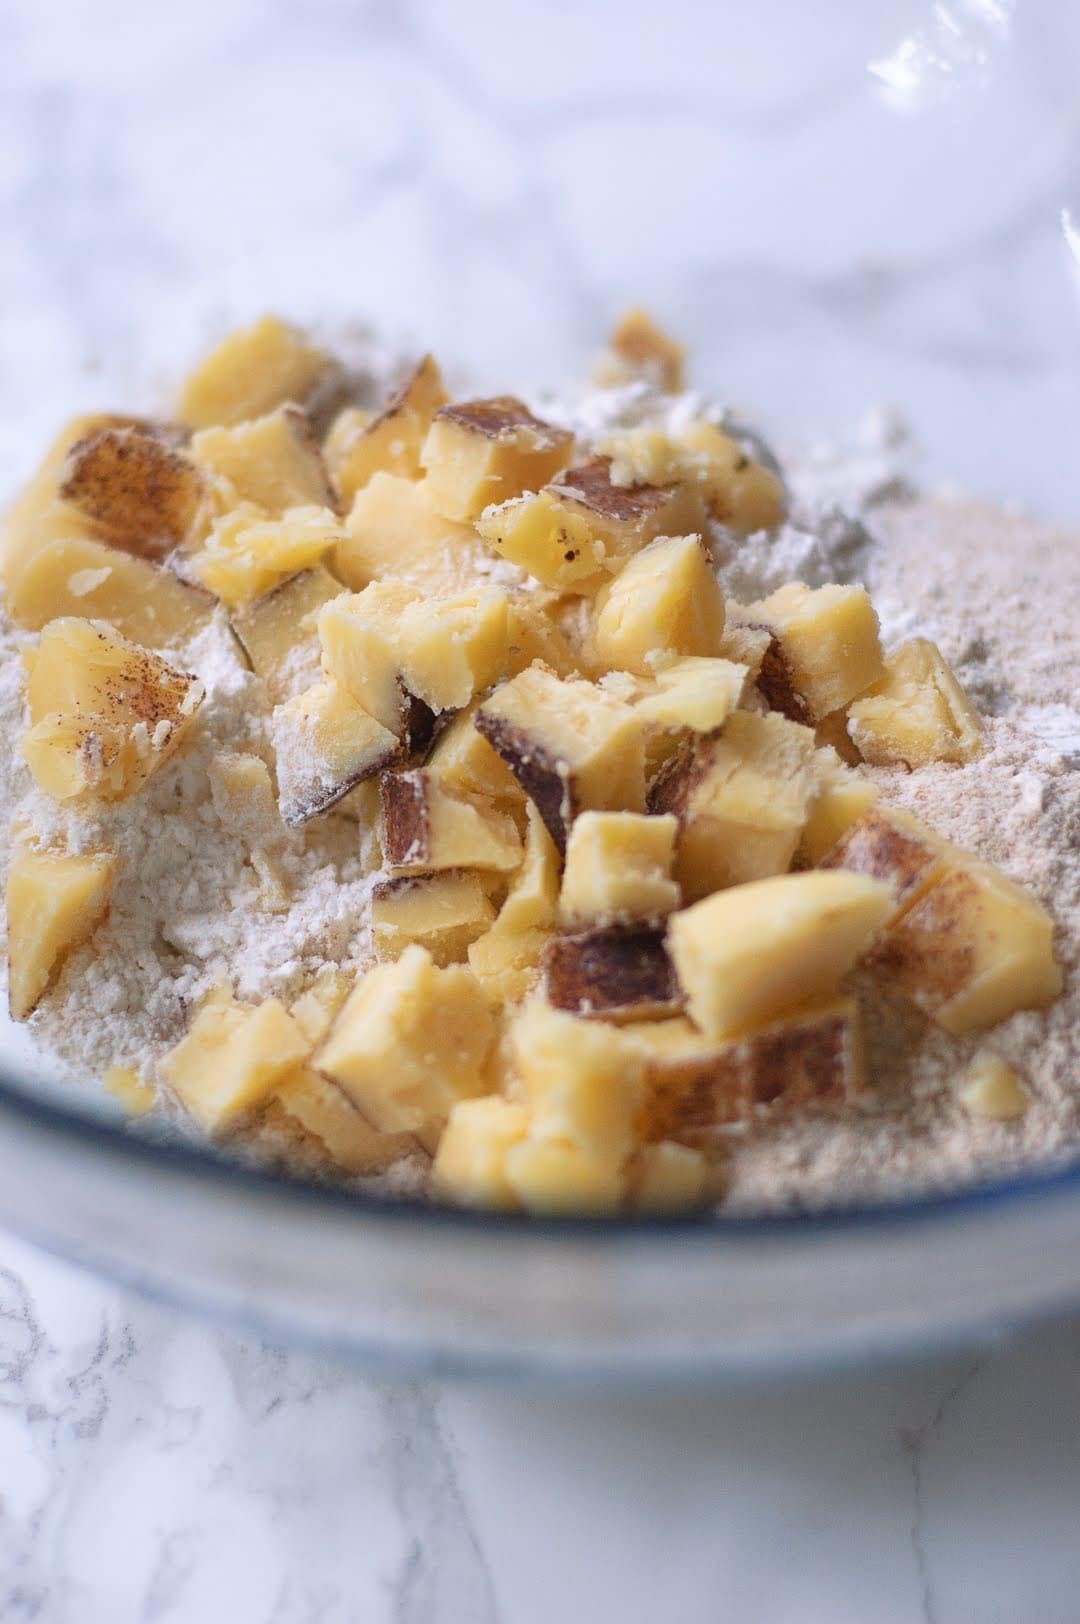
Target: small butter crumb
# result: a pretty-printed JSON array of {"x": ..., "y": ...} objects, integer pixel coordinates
[
  {"x": 125, "y": 1085},
  {"x": 992, "y": 1089}
]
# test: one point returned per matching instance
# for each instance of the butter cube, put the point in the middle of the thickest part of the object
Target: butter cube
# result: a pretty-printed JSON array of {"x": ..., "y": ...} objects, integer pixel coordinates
[
  {"x": 54, "y": 903},
  {"x": 618, "y": 870},
  {"x": 570, "y": 745},
  {"x": 273, "y": 461},
  {"x": 752, "y": 954},
  {"x": 973, "y": 949},
  {"x": 315, "y": 1009},
  {"x": 830, "y": 641},
  {"x": 251, "y": 372},
  {"x": 79, "y": 576},
  {"x": 506, "y": 960},
  {"x": 582, "y": 527},
  {"x": 360, "y": 643},
  {"x": 991, "y": 1088},
  {"x": 323, "y": 1110},
  {"x": 278, "y": 631},
  {"x": 532, "y": 634},
  {"x": 231, "y": 1059},
  {"x": 741, "y": 493},
  {"x": 393, "y": 530},
  {"x": 557, "y": 1177},
  {"x": 454, "y": 647},
  {"x": 668, "y": 1178},
  {"x": 391, "y": 441},
  {"x": 666, "y": 601},
  {"x": 470, "y": 1164},
  {"x": 242, "y": 791},
  {"x": 891, "y": 846},
  {"x": 135, "y": 489},
  {"x": 325, "y": 744},
  {"x": 916, "y": 713},
  {"x": 697, "y": 1088},
  {"x": 410, "y": 1042},
  {"x": 580, "y": 1080},
  {"x": 423, "y": 829},
  {"x": 483, "y": 451},
  {"x": 465, "y": 764},
  {"x": 105, "y": 713},
  {"x": 612, "y": 974},
  {"x": 695, "y": 695},
  {"x": 842, "y": 798},
  {"x": 639, "y": 348},
  {"x": 532, "y": 900},
  {"x": 742, "y": 799},
  {"x": 245, "y": 553},
  {"x": 444, "y": 913}
]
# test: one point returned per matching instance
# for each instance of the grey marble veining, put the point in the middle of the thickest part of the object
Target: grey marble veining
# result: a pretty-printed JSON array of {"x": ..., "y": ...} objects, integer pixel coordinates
[{"x": 497, "y": 179}]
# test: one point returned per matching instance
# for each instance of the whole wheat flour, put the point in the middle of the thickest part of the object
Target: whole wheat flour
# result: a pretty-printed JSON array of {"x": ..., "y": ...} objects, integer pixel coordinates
[{"x": 196, "y": 907}]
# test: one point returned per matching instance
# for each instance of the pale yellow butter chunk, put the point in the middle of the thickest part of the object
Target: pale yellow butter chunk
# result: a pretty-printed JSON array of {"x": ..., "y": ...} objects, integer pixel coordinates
[
  {"x": 580, "y": 1080},
  {"x": 483, "y": 451},
  {"x": 991, "y": 1088},
  {"x": 411, "y": 1040},
  {"x": 916, "y": 713},
  {"x": 54, "y": 903},
  {"x": 695, "y": 694},
  {"x": 394, "y": 530},
  {"x": 506, "y": 960},
  {"x": 105, "y": 713},
  {"x": 315, "y": 1009},
  {"x": 360, "y": 640},
  {"x": 618, "y": 870},
  {"x": 390, "y": 442},
  {"x": 547, "y": 538},
  {"x": 251, "y": 371},
  {"x": 640, "y": 348},
  {"x": 443, "y": 912},
  {"x": 570, "y": 745},
  {"x": 843, "y": 796},
  {"x": 454, "y": 647},
  {"x": 559, "y": 1177},
  {"x": 470, "y": 1164},
  {"x": 741, "y": 493},
  {"x": 246, "y": 553},
  {"x": 325, "y": 744},
  {"x": 323, "y": 1110},
  {"x": 830, "y": 641},
  {"x": 242, "y": 791},
  {"x": 533, "y": 898},
  {"x": 278, "y": 632},
  {"x": 742, "y": 799},
  {"x": 231, "y": 1059},
  {"x": 667, "y": 601},
  {"x": 83, "y": 577},
  {"x": 973, "y": 949},
  {"x": 668, "y": 1178},
  {"x": 273, "y": 461},
  {"x": 128, "y": 1089},
  {"x": 751, "y": 954},
  {"x": 465, "y": 764},
  {"x": 422, "y": 829}
]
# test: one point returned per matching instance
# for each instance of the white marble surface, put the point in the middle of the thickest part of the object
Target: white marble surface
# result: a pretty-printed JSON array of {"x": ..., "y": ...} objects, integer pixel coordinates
[{"x": 497, "y": 179}]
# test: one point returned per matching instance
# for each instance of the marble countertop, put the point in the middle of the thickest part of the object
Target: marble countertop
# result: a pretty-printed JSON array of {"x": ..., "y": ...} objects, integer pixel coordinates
[{"x": 497, "y": 180}]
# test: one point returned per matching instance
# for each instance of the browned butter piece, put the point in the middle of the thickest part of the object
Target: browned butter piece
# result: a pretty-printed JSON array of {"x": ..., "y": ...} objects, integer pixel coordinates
[
  {"x": 612, "y": 974},
  {"x": 135, "y": 488}
]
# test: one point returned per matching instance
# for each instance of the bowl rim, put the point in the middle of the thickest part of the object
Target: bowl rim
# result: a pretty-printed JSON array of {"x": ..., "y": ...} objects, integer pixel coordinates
[{"x": 190, "y": 1159}]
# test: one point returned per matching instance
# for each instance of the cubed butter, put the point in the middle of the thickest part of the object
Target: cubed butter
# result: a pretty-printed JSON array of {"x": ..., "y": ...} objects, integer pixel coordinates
[
  {"x": 830, "y": 639},
  {"x": 55, "y": 901},
  {"x": 483, "y": 451},
  {"x": 411, "y": 1040},
  {"x": 619, "y": 870},
  {"x": 667, "y": 601},
  {"x": 751, "y": 954},
  {"x": 916, "y": 713}
]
